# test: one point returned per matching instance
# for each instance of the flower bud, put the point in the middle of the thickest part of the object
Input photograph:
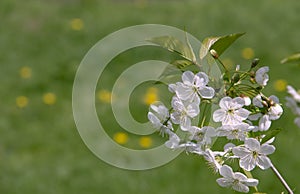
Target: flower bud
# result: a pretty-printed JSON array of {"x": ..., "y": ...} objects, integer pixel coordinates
[
  {"x": 214, "y": 53},
  {"x": 254, "y": 62}
]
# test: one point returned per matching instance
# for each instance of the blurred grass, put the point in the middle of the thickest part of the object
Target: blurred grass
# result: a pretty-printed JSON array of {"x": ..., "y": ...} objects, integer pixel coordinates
[{"x": 40, "y": 148}]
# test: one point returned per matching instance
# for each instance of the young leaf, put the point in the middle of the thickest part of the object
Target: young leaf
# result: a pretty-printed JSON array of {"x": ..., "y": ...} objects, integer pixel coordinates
[
  {"x": 270, "y": 134},
  {"x": 174, "y": 45},
  {"x": 181, "y": 64},
  {"x": 292, "y": 58},
  {"x": 219, "y": 44},
  {"x": 169, "y": 75}
]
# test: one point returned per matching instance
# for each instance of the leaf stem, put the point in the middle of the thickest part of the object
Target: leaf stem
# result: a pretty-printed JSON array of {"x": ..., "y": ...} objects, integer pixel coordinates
[{"x": 281, "y": 179}]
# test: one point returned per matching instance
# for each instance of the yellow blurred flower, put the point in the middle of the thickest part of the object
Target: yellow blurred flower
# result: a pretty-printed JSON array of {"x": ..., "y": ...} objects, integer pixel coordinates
[
  {"x": 280, "y": 85},
  {"x": 25, "y": 72},
  {"x": 49, "y": 98},
  {"x": 76, "y": 24},
  {"x": 21, "y": 101},
  {"x": 121, "y": 138},
  {"x": 145, "y": 142},
  {"x": 104, "y": 96},
  {"x": 151, "y": 96},
  {"x": 247, "y": 53},
  {"x": 228, "y": 63}
]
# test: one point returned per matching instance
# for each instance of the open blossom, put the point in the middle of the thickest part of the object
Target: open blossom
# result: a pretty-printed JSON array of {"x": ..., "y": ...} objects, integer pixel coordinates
[
  {"x": 236, "y": 180},
  {"x": 274, "y": 111},
  {"x": 192, "y": 86},
  {"x": 237, "y": 131},
  {"x": 252, "y": 154},
  {"x": 158, "y": 115},
  {"x": 261, "y": 76},
  {"x": 293, "y": 93},
  {"x": 202, "y": 135},
  {"x": 183, "y": 112},
  {"x": 231, "y": 111}
]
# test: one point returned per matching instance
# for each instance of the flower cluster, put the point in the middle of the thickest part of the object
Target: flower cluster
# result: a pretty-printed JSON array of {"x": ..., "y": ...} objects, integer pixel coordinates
[
  {"x": 242, "y": 116},
  {"x": 293, "y": 103}
]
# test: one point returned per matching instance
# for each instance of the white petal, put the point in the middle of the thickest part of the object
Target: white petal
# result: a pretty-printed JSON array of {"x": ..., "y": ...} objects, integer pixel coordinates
[
  {"x": 254, "y": 117},
  {"x": 274, "y": 98},
  {"x": 184, "y": 92},
  {"x": 240, "y": 176},
  {"x": 266, "y": 149},
  {"x": 238, "y": 102},
  {"x": 173, "y": 142},
  {"x": 240, "y": 151},
  {"x": 240, "y": 188},
  {"x": 257, "y": 101},
  {"x": 263, "y": 162},
  {"x": 226, "y": 171},
  {"x": 188, "y": 78},
  {"x": 175, "y": 117},
  {"x": 185, "y": 123},
  {"x": 225, "y": 103},
  {"x": 207, "y": 92},
  {"x": 294, "y": 93},
  {"x": 248, "y": 163},
  {"x": 242, "y": 113},
  {"x": 203, "y": 78},
  {"x": 252, "y": 144},
  {"x": 251, "y": 182},
  {"x": 154, "y": 120},
  {"x": 297, "y": 121},
  {"x": 223, "y": 182},
  {"x": 219, "y": 115},
  {"x": 193, "y": 110},
  {"x": 264, "y": 123}
]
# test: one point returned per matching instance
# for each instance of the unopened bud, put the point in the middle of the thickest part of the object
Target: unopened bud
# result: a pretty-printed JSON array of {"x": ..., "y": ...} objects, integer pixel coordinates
[
  {"x": 254, "y": 62},
  {"x": 214, "y": 53}
]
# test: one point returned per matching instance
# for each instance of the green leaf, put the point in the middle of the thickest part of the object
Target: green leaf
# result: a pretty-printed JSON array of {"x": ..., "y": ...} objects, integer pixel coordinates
[
  {"x": 169, "y": 75},
  {"x": 270, "y": 134},
  {"x": 292, "y": 58},
  {"x": 174, "y": 45},
  {"x": 219, "y": 44},
  {"x": 181, "y": 64}
]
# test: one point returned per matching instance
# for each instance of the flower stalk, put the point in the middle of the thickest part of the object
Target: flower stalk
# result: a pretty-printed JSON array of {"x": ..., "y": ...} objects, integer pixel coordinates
[{"x": 282, "y": 180}]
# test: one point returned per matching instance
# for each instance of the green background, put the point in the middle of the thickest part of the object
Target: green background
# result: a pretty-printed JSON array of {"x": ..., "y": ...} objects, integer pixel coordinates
[{"x": 40, "y": 148}]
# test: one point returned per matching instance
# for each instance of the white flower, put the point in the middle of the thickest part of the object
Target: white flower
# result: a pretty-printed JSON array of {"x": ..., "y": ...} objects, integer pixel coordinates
[
  {"x": 297, "y": 121},
  {"x": 236, "y": 180},
  {"x": 274, "y": 110},
  {"x": 202, "y": 135},
  {"x": 213, "y": 159},
  {"x": 236, "y": 131},
  {"x": 252, "y": 154},
  {"x": 261, "y": 76},
  {"x": 173, "y": 141},
  {"x": 193, "y": 86},
  {"x": 158, "y": 115},
  {"x": 183, "y": 112},
  {"x": 231, "y": 111},
  {"x": 292, "y": 104},
  {"x": 293, "y": 93}
]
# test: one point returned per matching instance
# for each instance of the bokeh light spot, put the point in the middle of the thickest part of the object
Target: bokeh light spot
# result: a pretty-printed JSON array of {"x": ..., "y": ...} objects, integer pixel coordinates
[
  {"x": 247, "y": 53},
  {"x": 121, "y": 138},
  {"x": 25, "y": 72},
  {"x": 49, "y": 98},
  {"x": 22, "y": 101},
  {"x": 104, "y": 96},
  {"x": 280, "y": 85},
  {"x": 151, "y": 96},
  {"x": 76, "y": 24},
  {"x": 145, "y": 142}
]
